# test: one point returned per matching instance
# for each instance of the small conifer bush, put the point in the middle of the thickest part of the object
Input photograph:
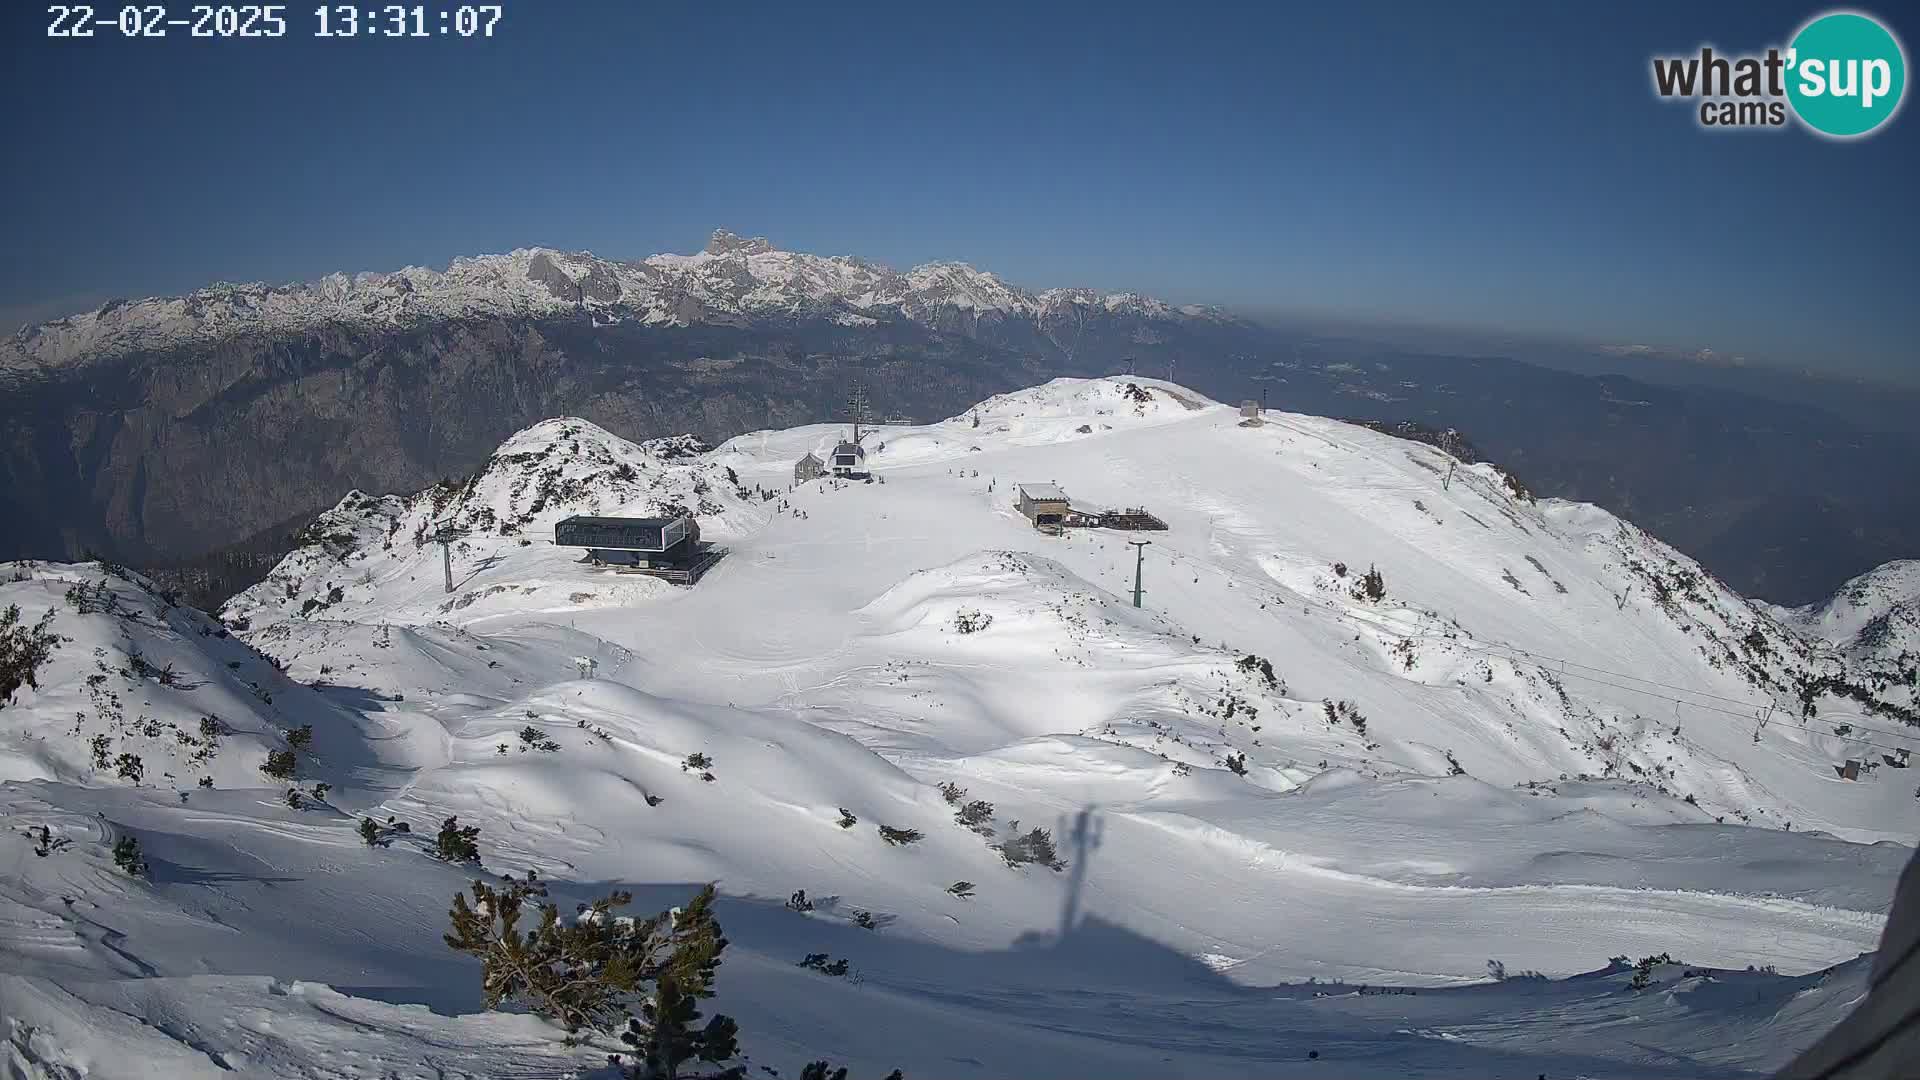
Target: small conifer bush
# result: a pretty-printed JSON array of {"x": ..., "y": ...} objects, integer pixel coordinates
[
  {"x": 126, "y": 856},
  {"x": 898, "y": 837},
  {"x": 642, "y": 977},
  {"x": 976, "y": 815},
  {"x": 1371, "y": 587},
  {"x": 456, "y": 842},
  {"x": 1033, "y": 846},
  {"x": 823, "y": 964},
  {"x": 24, "y": 647},
  {"x": 1643, "y": 971}
]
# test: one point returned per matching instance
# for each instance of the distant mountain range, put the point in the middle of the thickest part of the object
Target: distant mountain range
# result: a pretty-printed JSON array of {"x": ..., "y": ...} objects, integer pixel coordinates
[
  {"x": 734, "y": 280},
  {"x": 167, "y": 430}
]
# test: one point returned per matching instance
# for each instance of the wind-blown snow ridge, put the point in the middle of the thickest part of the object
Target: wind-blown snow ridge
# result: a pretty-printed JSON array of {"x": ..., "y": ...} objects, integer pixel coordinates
[{"x": 733, "y": 278}]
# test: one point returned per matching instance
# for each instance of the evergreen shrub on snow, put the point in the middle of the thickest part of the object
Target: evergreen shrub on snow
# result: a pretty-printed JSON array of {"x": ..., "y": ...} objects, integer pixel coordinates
[
  {"x": 456, "y": 842},
  {"x": 1034, "y": 846},
  {"x": 23, "y": 648},
  {"x": 643, "y": 978},
  {"x": 126, "y": 856},
  {"x": 899, "y": 836}
]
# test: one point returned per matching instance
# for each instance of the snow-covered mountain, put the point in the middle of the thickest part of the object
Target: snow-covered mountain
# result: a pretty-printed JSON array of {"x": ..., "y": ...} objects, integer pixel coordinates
[
  {"x": 1381, "y": 825},
  {"x": 732, "y": 278},
  {"x": 1875, "y": 615},
  {"x": 167, "y": 428}
]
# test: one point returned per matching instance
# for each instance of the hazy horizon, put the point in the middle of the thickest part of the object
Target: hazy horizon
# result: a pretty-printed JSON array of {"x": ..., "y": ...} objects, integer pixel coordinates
[
  {"x": 1512, "y": 171},
  {"x": 1384, "y": 328}
]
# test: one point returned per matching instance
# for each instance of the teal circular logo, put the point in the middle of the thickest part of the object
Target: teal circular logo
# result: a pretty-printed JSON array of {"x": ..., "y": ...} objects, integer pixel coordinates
[{"x": 1846, "y": 74}]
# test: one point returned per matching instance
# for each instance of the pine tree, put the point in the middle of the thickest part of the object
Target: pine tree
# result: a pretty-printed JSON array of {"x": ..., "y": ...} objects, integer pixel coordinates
[
  {"x": 456, "y": 842},
  {"x": 23, "y": 648},
  {"x": 601, "y": 971},
  {"x": 126, "y": 856},
  {"x": 1371, "y": 587},
  {"x": 976, "y": 815},
  {"x": 369, "y": 832},
  {"x": 899, "y": 836},
  {"x": 818, "y": 961},
  {"x": 1033, "y": 846}
]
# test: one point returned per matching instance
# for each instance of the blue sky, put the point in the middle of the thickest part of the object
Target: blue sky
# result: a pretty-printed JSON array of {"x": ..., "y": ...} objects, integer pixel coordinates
[{"x": 1496, "y": 166}]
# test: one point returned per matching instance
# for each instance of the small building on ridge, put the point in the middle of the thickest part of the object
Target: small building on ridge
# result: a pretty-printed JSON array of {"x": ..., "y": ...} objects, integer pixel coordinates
[
  {"x": 1043, "y": 504},
  {"x": 662, "y": 547}
]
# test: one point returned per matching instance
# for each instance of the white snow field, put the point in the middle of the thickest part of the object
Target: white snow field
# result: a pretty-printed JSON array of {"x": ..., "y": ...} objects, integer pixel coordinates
[{"x": 1303, "y": 832}]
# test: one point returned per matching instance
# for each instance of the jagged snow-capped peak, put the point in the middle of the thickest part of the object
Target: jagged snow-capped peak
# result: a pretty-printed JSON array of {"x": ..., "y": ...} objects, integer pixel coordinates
[
  {"x": 733, "y": 277},
  {"x": 725, "y": 243}
]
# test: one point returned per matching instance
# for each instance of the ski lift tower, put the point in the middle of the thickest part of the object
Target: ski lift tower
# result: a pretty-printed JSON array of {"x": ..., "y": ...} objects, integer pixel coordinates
[
  {"x": 1139, "y": 559},
  {"x": 857, "y": 410},
  {"x": 445, "y": 535}
]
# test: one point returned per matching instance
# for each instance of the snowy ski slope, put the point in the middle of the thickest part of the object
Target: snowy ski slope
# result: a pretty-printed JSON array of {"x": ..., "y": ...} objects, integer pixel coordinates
[{"x": 1549, "y": 744}]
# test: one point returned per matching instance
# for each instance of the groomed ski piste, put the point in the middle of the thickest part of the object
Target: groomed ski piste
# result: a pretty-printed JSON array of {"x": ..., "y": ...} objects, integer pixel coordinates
[{"x": 1303, "y": 830}]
